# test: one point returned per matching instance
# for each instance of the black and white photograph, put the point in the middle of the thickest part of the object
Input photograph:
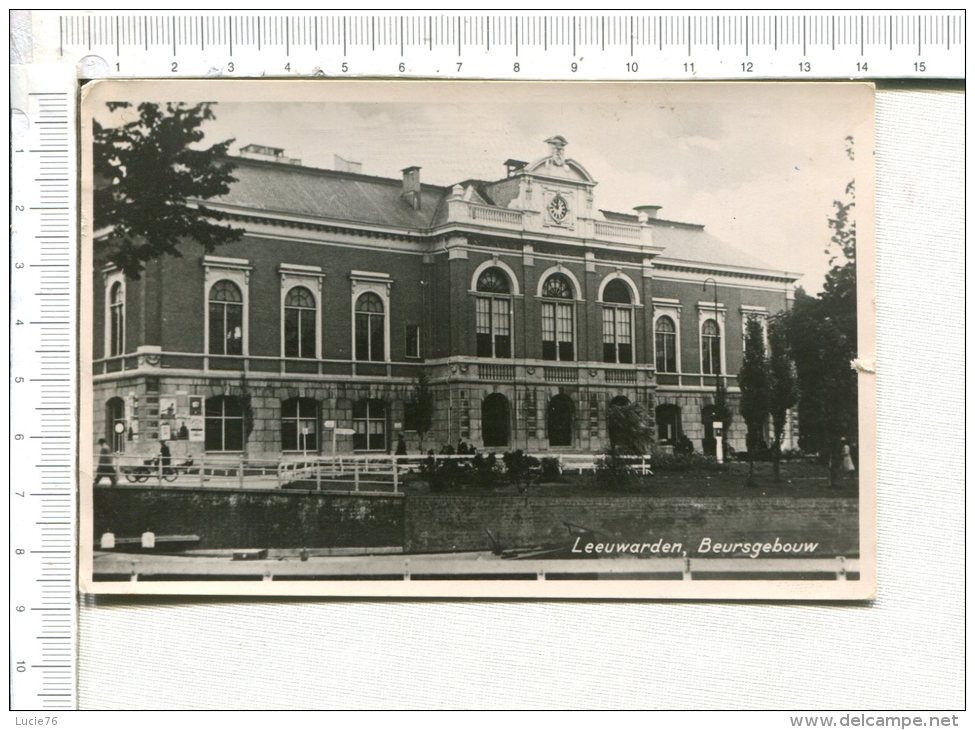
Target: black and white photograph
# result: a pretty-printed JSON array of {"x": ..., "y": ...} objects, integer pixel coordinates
[{"x": 485, "y": 339}]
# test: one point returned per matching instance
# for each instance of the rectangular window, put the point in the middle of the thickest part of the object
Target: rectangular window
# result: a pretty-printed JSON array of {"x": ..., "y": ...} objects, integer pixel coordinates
[
  {"x": 483, "y": 317},
  {"x": 413, "y": 340},
  {"x": 502, "y": 327},
  {"x": 377, "y": 339},
  {"x": 564, "y": 332},
  {"x": 624, "y": 334},
  {"x": 362, "y": 337},
  {"x": 548, "y": 332},
  {"x": 609, "y": 335}
]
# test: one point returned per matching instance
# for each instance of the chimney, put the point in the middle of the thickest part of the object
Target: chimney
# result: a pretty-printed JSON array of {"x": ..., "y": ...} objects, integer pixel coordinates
[
  {"x": 514, "y": 166},
  {"x": 411, "y": 186},
  {"x": 646, "y": 212},
  {"x": 343, "y": 165}
]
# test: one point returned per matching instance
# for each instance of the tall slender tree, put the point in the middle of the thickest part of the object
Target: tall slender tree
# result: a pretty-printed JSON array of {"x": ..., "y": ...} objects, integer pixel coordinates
[
  {"x": 783, "y": 389},
  {"x": 753, "y": 380},
  {"x": 822, "y": 335}
]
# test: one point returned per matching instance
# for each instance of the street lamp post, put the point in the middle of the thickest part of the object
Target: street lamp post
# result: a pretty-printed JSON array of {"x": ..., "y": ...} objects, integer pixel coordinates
[{"x": 717, "y": 425}]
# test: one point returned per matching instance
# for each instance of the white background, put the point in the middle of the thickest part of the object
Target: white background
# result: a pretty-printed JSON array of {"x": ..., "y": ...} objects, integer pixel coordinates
[{"x": 904, "y": 650}]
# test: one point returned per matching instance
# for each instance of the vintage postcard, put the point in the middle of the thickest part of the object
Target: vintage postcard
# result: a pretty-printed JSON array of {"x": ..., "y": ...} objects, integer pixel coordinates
[{"x": 496, "y": 339}]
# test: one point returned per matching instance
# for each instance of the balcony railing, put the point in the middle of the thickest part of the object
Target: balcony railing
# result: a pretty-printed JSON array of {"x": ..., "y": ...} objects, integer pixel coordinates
[
  {"x": 562, "y": 375},
  {"x": 491, "y": 371},
  {"x": 463, "y": 211}
]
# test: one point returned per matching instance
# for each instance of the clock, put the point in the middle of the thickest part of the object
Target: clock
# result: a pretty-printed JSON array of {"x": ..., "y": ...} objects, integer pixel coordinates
[{"x": 558, "y": 208}]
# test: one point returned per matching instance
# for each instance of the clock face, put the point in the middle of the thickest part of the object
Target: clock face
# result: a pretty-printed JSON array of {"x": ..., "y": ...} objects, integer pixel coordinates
[{"x": 558, "y": 208}]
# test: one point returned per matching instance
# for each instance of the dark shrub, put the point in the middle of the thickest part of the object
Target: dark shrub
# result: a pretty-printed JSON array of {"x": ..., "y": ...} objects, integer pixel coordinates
[{"x": 551, "y": 470}]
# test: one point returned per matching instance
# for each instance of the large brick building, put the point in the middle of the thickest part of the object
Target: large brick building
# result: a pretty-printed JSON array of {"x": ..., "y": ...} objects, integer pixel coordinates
[{"x": 530, "y": 309}]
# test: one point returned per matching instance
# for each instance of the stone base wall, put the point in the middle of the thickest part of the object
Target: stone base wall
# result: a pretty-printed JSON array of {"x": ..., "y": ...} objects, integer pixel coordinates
[
  {"x": 457, "y": 415},
  {"x": 460, "y": 523}
]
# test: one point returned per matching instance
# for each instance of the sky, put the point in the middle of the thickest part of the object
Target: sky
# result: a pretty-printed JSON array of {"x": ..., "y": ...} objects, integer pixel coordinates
[{"x": 758, "y": 164}]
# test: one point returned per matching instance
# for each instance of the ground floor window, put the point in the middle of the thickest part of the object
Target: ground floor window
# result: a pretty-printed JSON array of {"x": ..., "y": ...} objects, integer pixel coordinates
[
  {"x": 560, "y": 412},
  {"x": 369, "y": 422},
  {"x": 495, "y": 421},
  {"x": 224, "y": 424},
  {"x": 299, "y": 425},
  {"x": 668, "y": 424}
]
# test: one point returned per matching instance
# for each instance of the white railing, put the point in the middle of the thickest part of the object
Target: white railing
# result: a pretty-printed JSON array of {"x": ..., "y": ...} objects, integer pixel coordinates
[
  {"x": 605, "y": 229},
  {"x": 494, "y": 215},
  {"x": 383, "y": 473}
]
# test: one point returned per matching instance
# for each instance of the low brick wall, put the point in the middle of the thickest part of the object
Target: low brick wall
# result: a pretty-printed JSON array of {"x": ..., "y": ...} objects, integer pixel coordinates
[
  {"x": 456, "y": 523},
  {"x": 234, "y": 518}
]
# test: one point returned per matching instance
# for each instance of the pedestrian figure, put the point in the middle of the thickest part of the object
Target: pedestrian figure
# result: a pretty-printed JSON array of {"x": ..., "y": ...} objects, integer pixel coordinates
[
  {"x": 401, "y": 446},
  {"x": 165, "y": 457},
  {"x": 105, "y": 466}
]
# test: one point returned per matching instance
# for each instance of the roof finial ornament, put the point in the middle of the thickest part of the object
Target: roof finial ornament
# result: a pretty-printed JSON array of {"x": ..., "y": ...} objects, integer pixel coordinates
[{"x": 556, "y": 146}]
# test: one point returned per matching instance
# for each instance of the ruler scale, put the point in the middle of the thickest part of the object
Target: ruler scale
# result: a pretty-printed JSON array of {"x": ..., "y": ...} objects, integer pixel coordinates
[
  {"x": 648, "y": 46},
  {"x": 42, "y": 403},
  {"x": 613, "y": 46}
]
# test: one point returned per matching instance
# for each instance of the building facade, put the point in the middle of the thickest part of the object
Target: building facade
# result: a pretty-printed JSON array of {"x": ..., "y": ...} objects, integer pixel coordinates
[{"x": 529, "y": 309}]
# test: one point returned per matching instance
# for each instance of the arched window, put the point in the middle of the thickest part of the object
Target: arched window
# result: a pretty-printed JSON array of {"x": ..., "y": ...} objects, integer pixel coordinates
[
  {"x": 116, "y": 313},
  {"x": 617, "y": 323},
  {"x": 493, "y": 313},
  {"x": 710, "y": 348},
  {"x": 369, "y": 422},
  {"x": 559, "y": 420},
  {"x": 558, "y": 319},
  {"x": 300, "y": 317},
  {"x": 224, "y": 420},
  {"x": 299, "y": 425},
  {"x": 495, "y": 420},
  {"x": 226, "y": 319},
  {"x": 370, "y": 328},
  {"x": 665, "y": 342}
]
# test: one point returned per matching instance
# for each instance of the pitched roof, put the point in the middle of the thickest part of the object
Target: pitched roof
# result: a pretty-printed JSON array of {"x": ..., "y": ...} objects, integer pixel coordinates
[
  {"x": 331, "y": 194},
  {"x": 690, "y": 242},
  {"x": 348, "y": 196}
]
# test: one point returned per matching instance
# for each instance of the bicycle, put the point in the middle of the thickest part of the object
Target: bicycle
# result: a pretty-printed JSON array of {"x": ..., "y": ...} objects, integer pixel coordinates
[{"x": 150, "y": 468}]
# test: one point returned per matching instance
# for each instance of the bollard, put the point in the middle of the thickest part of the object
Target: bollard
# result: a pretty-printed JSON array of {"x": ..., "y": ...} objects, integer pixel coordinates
[
  {"x": 355, "y": 474},
  {"x": 203, "y": 464},
  {"x": 240, "y": 471},
  {"x": 108, "y": 541},
  {"x": 318, "y": 475},
  {"x": 395, "y": 475}
]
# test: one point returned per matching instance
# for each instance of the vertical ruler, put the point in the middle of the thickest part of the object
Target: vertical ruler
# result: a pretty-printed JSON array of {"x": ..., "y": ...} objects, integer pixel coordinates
[{"x": 42, "y": 395}]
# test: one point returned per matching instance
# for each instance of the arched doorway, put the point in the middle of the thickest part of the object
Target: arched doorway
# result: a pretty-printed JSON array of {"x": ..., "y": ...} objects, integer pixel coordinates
[
  {"x": 668, "y": 424},
  {"x": 495, "y": 420},
  {"x": 560, "y": 412},
  {"x": 115, "y": 425},
  {"x": 612, "y": 424}
]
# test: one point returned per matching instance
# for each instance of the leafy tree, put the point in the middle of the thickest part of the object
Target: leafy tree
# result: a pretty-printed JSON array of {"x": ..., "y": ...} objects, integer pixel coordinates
[
  {"x": 783, "y": 389},
  {"x": 630, "y": 434},
  {"x": 629, "y": 428},
  {"x": 753, "y": 380},
  {"x": 822, "y": 335},
  {"x": 423, "y": 406},
  {"x": 150, "y": 172}
]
